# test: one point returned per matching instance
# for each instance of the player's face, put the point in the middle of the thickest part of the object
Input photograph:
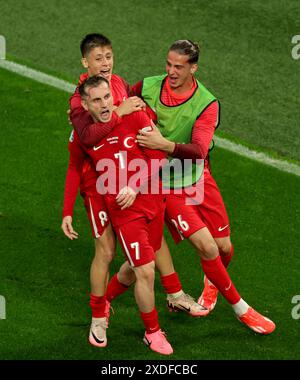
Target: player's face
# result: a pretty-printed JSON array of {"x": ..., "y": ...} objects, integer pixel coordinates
[
  {"x": 180, "y": 71},
  {"x": 99, "y": 61},
  {"x": 99, "y": 103}
]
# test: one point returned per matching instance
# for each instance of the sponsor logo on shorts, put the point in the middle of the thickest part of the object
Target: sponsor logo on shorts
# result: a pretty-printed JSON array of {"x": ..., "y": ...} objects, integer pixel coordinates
[{"x": 222, "y": 228}]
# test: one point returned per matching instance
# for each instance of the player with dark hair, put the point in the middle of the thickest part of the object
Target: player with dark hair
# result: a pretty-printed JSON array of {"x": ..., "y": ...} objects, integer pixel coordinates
[
  {"x": 97, "y": 58},
  {"x": 188, "y": 113},
  {"x": 137, "y": 218}
]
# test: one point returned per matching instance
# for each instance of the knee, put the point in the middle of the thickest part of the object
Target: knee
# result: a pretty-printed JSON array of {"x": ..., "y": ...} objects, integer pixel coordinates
[
  {"x": 105, "y": 252},
  {"x": 126, "y": 275},
  {"x": 145, "y": 273},
  {"x": 208, "y": 249},
  {"x": 225, "y": 248}
]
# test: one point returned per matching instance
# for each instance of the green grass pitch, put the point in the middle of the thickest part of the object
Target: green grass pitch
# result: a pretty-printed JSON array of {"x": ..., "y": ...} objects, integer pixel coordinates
[{"x": 44, "y": 277}]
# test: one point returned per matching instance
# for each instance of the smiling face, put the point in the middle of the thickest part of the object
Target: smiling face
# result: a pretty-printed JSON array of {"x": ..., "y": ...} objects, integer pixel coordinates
[
  {"x": 180, "y": 71},
  {"x": 99, "y": 102},
  {"x": 99, "y": 61}
]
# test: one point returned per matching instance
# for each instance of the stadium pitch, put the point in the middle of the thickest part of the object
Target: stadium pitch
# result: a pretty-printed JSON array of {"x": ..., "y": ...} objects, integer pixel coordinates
[{"x": 44, "y": 278}]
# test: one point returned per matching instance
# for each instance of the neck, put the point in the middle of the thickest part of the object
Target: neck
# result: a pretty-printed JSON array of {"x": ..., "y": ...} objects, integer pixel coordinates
[{"x": 186, "y": 86}]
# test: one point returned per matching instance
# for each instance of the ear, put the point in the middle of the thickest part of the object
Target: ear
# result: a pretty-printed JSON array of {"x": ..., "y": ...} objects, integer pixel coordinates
[
  {"x": 84, "y": 104},
  {"x": 194, "y": 68},
  {"x": 84, "y": 63}
]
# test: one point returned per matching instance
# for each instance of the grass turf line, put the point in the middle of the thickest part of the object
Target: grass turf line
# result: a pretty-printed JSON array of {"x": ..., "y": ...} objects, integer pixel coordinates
[{"x": 245, "y": 53}]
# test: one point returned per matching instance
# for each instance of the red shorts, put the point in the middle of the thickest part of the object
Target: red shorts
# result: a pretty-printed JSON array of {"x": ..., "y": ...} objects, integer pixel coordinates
[
  {"x": 140, "y": 239},
  {"x": 97, "y": 214},
  {"x": 183, "y": 220}
]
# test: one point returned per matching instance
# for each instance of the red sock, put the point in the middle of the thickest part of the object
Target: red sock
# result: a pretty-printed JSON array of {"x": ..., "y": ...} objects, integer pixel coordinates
[
  {"x": 97, "y": 305},
  {"x": 115, "y": 288},
  {"x": 150, "y": 321},
  {"x": 227, "y": 258},
  {"x": 171, "y": 283},
  {"x": 217, "y": 274}
]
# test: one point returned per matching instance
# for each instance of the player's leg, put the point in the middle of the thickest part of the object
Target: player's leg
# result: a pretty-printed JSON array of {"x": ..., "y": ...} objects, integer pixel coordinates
[
  {"x": 134, "y": 239},
  {"x": 104, "y": 253},
  {"x": 178, "y": 229},
  {"x": 188, "y": 219},
  {"x": 209, "y": 295},
  {"x": 163, "y": 260},
  {"x": 177, "y": 299},
  {"x": 213, "y": 213},
  {"x": 120, "y": 282},
  {"x": 105, "y": 246},
  {"x": 216, "y": 272}
]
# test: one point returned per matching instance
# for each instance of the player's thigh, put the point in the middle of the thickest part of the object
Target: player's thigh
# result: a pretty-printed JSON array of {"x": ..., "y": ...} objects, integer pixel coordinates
[
  {"x": 155, "y": 231},
  {"x": 134, "y": 239},
  {"x": 97, "y": 214},
  {"x": 204, "y": 243},
  {"x": 212, "y": 209},
  {"x": 105, "y": 245},
  {"x": 182, "y": 219}
]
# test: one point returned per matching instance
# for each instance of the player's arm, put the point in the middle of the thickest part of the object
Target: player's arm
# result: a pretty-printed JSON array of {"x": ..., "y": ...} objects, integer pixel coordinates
[
  {"x": 89, "y": 132},
  {"x": 202, "y": 134},
  {"x": 71, "y": 189},
  {"x": 136, "y": 89}
]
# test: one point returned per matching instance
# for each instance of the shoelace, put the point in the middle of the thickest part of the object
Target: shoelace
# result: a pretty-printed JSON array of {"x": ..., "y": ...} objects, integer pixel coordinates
[
  {"x": 101, "y": 325},
  {"x": 188, "y": 298}
]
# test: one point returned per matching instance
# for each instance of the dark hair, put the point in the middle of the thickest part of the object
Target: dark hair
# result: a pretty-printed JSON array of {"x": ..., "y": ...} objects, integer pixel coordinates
[
  {"x": 91, "y": 82},
  {"x": 93, "y": 40},
  {"x": 187, "y": 47}
]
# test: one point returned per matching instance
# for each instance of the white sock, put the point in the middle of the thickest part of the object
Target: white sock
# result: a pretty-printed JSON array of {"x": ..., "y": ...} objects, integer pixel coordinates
[
  {"x": 177, "y": 294},
  {"x": 240, "y": 307}
]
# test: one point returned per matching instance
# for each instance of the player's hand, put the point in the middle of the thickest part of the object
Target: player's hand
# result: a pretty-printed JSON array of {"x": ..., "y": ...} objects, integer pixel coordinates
[
  {"x": 154, "y": 140},
  {"x": 132, "y": 104},
  {"x": 68, "y": 113},
  {"x": 126, "y": 197},
  {"x": 68, "y": 228}
]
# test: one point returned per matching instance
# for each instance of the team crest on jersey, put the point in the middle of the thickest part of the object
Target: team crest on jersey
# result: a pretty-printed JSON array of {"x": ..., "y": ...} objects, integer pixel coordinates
[
  {"x": 71, "y": 138},
  {"x": 130, "y": 141}
]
